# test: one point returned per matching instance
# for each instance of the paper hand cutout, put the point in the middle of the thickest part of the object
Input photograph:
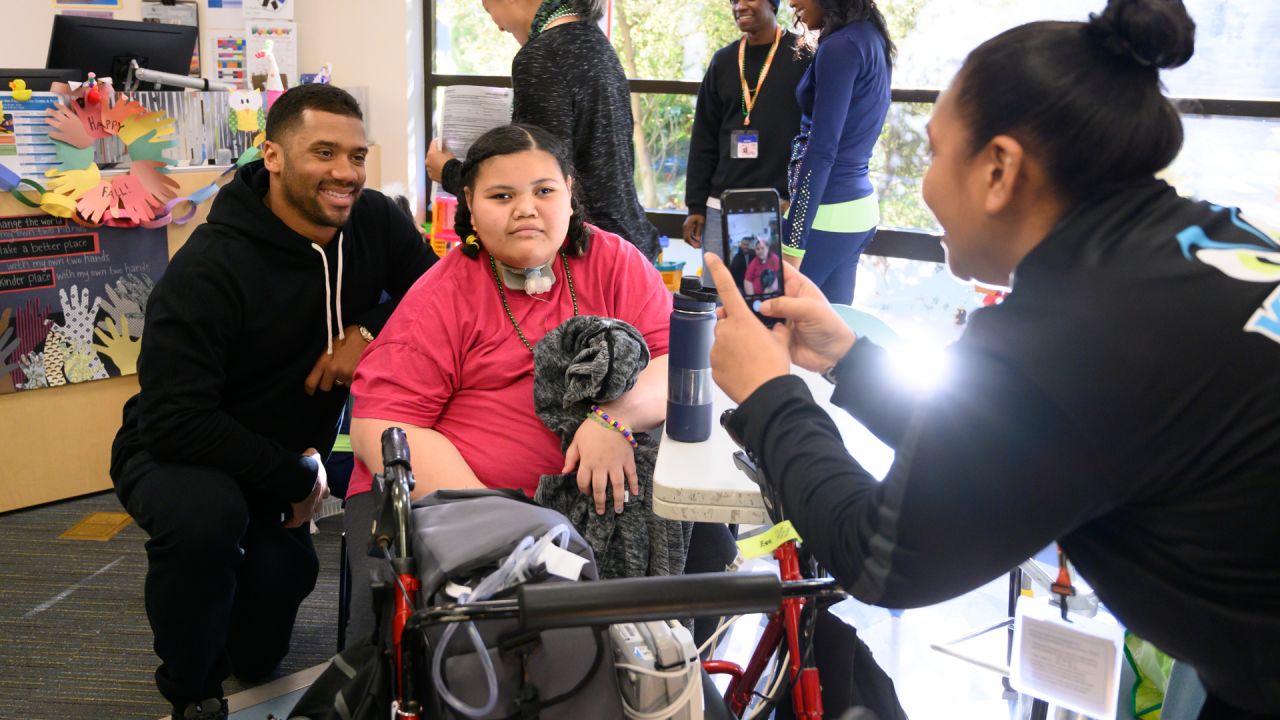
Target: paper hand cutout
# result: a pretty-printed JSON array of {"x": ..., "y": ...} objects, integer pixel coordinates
[
  {"x": 160, "y": 186},
  {"x": 32, "y": 365},
  {"x": 83, "y": 364},
  {"x": 127, "y": 302},
  {"x": 71, "y": 157},
  {"x": 144, "y": 123},
  {"x": 119, "y": 347},
  {"x": 55, "y": 353},
  {"x": 74, "y": 183},
  {"x": 71, "y": 125},
  {"x": 148, "y": 149},
  {"x": 123, "y": 112},
  {"x": 134, "y": 202},
  {"x": 77, "y": 315},
  {"x": 93, "y": 205}
]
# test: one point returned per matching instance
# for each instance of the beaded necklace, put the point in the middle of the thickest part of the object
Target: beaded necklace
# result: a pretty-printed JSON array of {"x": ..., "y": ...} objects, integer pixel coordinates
[
  {"x": 502, "y": 294},
  {"x": 548, "y": 14}
]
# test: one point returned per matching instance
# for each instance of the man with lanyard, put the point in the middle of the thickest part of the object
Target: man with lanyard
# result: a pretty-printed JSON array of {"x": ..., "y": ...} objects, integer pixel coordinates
[{"x": 743, "y": 125}]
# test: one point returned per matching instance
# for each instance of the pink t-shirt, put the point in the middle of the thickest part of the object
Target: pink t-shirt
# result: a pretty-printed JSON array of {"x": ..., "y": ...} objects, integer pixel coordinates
[
  {"x": 449, "y": 359},
  {"x": 757, "y": 268}
]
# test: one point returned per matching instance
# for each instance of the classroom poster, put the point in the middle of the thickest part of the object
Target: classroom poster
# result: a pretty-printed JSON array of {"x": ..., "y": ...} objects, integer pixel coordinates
[
  {"x": 25, "y": 147},
  {"x": 268, "y": 9},
  {"x": 229, "y": 57},
  {"x": 72, "y": 299},
  {"x": 94, "y": 4}
]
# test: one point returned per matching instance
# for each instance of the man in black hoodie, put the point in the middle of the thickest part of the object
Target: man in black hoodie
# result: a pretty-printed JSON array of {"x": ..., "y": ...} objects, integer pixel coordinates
[{"x": 252, "y": 336}]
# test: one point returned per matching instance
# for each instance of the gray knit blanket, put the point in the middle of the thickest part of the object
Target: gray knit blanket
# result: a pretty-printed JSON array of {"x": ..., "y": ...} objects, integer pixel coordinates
[{"x": 589, "y": 361}]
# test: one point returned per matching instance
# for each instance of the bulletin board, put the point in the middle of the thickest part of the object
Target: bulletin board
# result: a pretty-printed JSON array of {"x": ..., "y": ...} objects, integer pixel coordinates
[{"x": 72, "y": 300}]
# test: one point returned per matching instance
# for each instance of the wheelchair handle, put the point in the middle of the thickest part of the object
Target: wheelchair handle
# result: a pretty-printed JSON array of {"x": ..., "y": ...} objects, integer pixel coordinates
[
  {"x": 395, "y": 449},
  {"x": 556, "y": 605}
]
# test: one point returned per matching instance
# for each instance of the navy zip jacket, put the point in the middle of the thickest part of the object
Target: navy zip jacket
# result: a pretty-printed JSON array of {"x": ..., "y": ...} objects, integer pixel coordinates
[
  {"x": 844, "y": 99},
  {"x": 1123, "y": 399},
  {"x": 235, "y": 325}
]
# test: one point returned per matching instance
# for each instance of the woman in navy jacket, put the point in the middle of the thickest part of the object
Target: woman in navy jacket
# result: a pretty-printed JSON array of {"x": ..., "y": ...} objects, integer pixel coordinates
[{"x": 844, "y": 97}]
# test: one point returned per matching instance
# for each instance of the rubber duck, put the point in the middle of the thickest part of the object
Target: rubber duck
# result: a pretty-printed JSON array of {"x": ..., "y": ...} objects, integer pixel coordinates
[{"x": 20, "y": 91}]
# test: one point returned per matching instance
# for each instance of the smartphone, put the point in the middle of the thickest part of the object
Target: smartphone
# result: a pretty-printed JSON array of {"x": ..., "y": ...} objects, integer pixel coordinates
[{"x": 751, "y": 224}]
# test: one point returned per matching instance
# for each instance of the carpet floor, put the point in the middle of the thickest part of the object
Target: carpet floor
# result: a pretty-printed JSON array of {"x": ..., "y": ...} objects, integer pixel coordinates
[{"x": 74, "y": 638}]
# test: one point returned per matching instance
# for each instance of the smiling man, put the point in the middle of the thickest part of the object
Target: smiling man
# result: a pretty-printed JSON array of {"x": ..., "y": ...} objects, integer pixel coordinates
[
  {"x": 746, "y": 117},
  {"x": 253, "y": 334}
]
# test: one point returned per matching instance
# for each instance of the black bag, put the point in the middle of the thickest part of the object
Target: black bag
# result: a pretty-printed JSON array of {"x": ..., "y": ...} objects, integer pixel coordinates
[
  {"x": 355, "y": 686},
  {"x": 461, "y": 536}
]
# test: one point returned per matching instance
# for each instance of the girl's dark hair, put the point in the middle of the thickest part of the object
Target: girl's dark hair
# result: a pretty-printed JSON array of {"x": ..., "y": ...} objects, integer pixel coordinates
[
  {"x": 508, "y": 140},
  {"x": 838, "y": 13},
  {"x": 1085, "y": 96}
]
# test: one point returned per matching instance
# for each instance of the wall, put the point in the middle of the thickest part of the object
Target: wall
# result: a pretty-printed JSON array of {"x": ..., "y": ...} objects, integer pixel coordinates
[{"x": 376, "y": 44}]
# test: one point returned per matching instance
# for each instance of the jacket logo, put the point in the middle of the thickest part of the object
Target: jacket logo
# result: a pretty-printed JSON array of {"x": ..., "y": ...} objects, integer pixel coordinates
[{"x": 1249, "y": 262}]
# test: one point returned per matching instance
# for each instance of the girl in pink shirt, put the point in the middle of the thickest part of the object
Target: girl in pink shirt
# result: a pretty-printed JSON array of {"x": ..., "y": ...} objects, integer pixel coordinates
[{"x": 454, "y": 366}]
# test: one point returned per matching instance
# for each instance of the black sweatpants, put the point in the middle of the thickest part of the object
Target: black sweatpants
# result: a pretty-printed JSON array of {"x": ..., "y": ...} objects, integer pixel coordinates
[{"x": 224, "y": 577}]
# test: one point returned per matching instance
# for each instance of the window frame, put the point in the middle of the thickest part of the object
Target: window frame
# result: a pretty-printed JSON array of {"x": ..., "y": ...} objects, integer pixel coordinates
[{"x": 888, "y": 242}]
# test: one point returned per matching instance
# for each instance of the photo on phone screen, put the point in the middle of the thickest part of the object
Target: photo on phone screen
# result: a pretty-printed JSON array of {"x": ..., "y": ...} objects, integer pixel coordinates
[{"x": 753, "y": 244}]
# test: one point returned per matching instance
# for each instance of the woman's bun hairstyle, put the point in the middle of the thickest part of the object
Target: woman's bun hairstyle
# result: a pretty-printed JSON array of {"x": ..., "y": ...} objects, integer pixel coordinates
[
  {"x": 1084, "y": 98},
  {"x": 1152, "y": 33}
]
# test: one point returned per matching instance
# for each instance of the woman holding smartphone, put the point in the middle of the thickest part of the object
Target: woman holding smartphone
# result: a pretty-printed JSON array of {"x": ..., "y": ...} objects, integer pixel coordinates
[
  {"x": 1123, "y": 400},
  {"x": 567, "y": 79},
  {"x": 844, "y": 97}
]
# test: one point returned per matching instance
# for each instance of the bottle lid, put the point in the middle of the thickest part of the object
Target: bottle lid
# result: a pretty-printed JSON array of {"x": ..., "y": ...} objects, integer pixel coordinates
[{"x": 693, "y": 297}]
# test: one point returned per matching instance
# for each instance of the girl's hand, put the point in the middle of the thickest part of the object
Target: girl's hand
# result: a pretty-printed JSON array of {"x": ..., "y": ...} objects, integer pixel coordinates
[{"x": 603, "y": 458}]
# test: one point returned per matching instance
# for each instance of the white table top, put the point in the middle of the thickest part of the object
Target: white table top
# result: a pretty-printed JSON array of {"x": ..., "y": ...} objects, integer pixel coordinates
[{"x": 699, "y": 481}]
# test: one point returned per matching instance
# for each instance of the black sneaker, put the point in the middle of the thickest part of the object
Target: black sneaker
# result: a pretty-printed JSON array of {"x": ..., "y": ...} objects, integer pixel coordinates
[{"x": 211, "y": 709}]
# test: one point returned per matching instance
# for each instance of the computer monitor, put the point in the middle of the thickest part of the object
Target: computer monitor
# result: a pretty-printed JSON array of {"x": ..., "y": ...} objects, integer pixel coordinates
[
  {"x": 37, "y": 79},
  {"x": 106, "y": 47}
]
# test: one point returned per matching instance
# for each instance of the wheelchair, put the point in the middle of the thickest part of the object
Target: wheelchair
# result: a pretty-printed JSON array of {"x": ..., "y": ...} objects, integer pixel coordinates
[{"x": 792, "y": 602}]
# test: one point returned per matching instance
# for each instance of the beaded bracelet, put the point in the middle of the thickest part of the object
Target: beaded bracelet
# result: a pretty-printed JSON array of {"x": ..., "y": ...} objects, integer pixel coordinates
[{"x": 626, "y": 431}]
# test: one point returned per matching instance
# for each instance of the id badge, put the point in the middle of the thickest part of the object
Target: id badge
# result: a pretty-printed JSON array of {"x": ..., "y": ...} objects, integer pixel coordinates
[
  {"x": 1074, "y": 665},
  {"x": 744, "y": 145}
]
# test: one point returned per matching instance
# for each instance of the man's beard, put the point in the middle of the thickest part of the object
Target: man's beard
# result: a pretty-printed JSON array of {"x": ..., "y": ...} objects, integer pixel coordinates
[{"x": 306, "y": 198}]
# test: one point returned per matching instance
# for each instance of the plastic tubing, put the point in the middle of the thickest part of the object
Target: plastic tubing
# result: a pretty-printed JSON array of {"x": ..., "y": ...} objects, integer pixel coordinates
[{"x": 513, "y": 571}]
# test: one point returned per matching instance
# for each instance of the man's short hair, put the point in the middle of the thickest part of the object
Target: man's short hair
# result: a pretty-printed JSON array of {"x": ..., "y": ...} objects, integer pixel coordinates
[{"x": 286, "y": 113}]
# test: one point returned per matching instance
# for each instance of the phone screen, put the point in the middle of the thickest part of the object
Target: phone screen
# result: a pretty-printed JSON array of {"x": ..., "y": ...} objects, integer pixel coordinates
[{"x": 753, "y": 246}]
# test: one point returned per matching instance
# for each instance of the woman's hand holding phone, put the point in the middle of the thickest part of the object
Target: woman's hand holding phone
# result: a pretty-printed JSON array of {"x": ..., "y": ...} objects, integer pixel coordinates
[
  {"x": 818, "y": 336},
  {"x": 746, "y": 354}
]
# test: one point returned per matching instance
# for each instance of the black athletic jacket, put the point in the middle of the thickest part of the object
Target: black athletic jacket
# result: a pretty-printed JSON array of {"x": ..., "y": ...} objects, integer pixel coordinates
[
  {"x": 238, "y": 320},
  {"x": 1124, "y": 399}
]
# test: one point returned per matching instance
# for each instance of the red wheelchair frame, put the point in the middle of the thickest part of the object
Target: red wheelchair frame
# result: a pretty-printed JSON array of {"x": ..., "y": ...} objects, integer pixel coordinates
[{"x": 604, "y": 602}]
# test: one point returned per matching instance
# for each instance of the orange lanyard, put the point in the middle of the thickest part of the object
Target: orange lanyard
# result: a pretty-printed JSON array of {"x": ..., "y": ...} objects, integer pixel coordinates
[{"x": 748, "y": 97}]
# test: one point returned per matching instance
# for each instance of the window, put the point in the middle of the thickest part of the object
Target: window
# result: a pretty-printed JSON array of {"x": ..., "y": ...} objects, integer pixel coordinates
[{"x": 1231, "y": 160}]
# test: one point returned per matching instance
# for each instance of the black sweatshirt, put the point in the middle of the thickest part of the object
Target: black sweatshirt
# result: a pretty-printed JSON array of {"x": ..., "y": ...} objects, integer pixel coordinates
[
  {"x": 568, "y": 80},
  {"x": 237, "y": 322},
  {"x": 1124, "y": 399},
  {"x": 775, "y": 117}
]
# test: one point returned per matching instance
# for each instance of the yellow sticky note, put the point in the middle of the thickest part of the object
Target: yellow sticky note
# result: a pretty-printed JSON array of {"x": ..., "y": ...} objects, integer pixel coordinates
[{"x": 766, "y": 542}]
